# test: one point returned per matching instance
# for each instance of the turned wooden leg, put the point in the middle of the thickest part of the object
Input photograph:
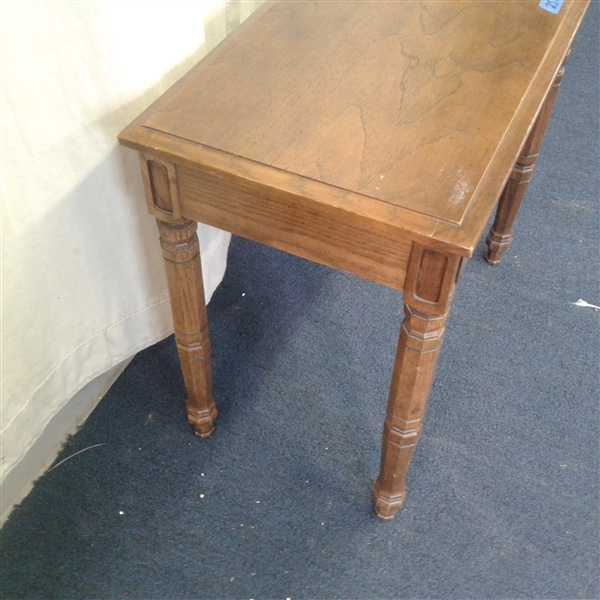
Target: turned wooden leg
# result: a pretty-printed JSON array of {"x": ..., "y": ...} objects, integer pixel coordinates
[
  {"x": 181, "y": 252},
  {"x": 500, "y": 236},
  {"x": 430, "y": 285}
]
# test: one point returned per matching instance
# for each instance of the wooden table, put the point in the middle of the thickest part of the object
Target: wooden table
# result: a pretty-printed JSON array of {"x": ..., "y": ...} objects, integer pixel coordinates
[{"x": 375, "y": 138}]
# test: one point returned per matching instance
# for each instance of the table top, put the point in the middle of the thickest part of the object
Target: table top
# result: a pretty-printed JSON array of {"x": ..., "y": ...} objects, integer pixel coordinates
[{"x": 410, "y": 112}]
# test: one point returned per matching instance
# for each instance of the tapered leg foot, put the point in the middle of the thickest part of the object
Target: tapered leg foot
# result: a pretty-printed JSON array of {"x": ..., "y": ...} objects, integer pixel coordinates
[
  {"x": 497, "y": 245},
  {"x": 387, "y": 506},
  {"x": 202, "y": 422}
]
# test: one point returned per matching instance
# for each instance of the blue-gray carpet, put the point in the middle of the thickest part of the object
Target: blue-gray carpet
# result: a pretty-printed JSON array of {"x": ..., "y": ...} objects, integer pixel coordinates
[{"x": 503, "y": 490}]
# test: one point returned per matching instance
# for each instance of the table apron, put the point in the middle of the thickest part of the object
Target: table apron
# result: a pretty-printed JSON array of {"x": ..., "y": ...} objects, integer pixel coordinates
[{"x": 295, "y": 224}]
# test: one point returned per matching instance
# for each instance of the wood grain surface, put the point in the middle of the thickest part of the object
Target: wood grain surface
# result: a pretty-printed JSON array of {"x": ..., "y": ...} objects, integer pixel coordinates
[
  {"x": 391, "y": 101},
  {"x": 408, "y": 113}
]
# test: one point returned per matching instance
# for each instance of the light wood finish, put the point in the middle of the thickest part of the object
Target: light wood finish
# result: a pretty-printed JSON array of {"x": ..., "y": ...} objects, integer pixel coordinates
[{"x": 373, "y": 137}]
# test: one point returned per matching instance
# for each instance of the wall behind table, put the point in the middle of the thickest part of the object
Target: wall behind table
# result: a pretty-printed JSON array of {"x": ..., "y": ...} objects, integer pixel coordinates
[{"x": 83, "y": 286}]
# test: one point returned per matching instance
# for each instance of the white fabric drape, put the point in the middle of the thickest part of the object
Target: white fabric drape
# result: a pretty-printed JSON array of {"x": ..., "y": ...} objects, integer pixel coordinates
[{"x": 83, "y": 286}]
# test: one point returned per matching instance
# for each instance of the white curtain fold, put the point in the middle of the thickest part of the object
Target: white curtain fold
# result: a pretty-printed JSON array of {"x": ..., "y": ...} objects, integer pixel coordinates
[{"x": 83, "y": 285}]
